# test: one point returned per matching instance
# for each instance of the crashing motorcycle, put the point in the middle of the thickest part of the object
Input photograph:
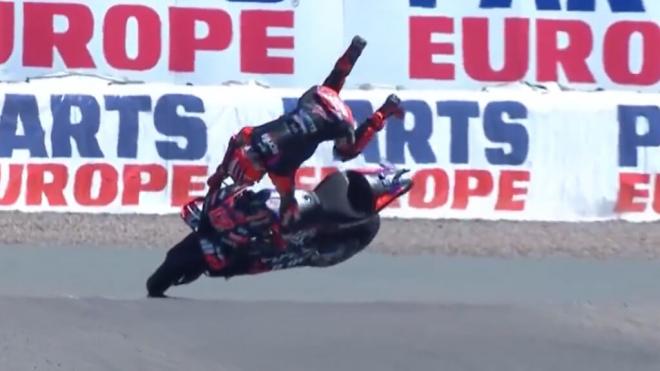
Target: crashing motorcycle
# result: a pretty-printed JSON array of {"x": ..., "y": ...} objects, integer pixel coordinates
[{"x": 338, "y": 219}]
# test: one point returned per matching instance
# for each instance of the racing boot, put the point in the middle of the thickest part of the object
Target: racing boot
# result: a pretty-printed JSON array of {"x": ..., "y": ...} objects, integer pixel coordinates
[
  {"x": 345, "y": 64},
  {"x": 391, "y": 107},
  {"x": 375, "y": 123}
]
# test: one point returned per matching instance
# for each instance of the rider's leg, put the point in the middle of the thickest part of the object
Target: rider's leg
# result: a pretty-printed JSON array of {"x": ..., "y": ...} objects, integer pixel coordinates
[
  {"x": 344, "y": 64},
  {"x": 237, "y": 162}
]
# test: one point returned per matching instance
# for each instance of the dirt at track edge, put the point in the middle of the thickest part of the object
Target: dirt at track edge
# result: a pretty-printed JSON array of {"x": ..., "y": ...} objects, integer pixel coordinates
[{"x": 397, "y": 236}]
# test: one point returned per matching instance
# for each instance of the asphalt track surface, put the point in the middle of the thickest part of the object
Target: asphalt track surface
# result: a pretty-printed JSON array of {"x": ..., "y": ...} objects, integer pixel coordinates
[{"x": 83, "y": 308}]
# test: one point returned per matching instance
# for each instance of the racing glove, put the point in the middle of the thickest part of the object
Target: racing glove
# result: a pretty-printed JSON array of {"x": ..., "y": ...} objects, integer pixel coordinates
[
  {"x": 285, "y": 186},
  {"x": 215, "y": 181},
  {"x": 289, "y": 212}
]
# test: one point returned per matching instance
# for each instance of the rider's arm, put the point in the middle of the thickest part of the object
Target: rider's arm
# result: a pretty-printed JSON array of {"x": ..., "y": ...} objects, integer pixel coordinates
[
  {"x": 351, "y": 145},
  {"x": 344, "y": 65},
  {"x": 285, "y": 186}
]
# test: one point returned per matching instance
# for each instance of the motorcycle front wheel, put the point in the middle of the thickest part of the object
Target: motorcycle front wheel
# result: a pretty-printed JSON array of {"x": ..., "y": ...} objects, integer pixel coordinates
[{"x": 183, "y": 264}]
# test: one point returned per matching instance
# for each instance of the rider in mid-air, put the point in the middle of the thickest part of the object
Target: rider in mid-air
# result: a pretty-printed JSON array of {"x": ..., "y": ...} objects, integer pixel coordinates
[{"x": 279, "y": 147}]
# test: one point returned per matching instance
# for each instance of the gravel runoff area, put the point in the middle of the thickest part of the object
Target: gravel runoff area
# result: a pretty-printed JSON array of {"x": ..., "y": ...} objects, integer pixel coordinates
[{"x": 447, "y": 237}]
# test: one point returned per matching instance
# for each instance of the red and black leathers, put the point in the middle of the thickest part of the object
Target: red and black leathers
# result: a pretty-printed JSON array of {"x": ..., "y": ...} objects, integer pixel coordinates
[
  {"x": 238, "y": 218},
  {"x": 279, "y": 147}
]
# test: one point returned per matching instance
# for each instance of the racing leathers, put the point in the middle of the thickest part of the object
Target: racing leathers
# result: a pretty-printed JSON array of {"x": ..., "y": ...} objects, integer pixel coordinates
[
  {"x": 279, "y": 147},
  {"x": 238, "y": 218}
]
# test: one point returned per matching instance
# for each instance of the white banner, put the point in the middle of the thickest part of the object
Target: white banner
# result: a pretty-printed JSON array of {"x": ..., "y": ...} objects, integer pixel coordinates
[
  {"x": 467, "y": 44},
  {"x": 281, "y": 43},
  {"x": 417, "y": 44},
  {"x": 82, "y": 145}
]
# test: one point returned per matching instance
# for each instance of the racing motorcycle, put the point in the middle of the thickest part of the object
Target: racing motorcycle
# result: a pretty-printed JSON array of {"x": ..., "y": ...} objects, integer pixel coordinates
[{"x": 338, "y": 218}]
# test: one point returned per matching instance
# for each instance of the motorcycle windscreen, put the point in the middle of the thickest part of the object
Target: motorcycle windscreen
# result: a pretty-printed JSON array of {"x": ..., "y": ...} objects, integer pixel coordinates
[{"x": 387, "y": 198}]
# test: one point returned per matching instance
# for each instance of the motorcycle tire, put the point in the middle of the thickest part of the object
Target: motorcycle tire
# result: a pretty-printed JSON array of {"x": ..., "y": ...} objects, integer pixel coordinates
[{"x": 183, "y": 264}]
